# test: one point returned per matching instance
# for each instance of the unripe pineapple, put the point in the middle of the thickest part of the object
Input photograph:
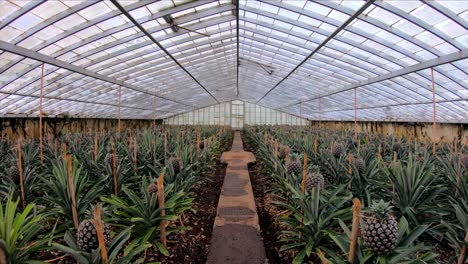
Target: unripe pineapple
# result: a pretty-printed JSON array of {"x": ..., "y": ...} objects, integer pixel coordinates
[
  {"x": 87, "y": 235},
  {"x": 282, "y": 151},
  {"x": 294, "y": 166},
  {"x": 152, "y": 187},
  {"x": 380, "y": 231},
  {"x": 108, "y": 160},
  {"x": 360, "y": 164},
  {"x": 464, "y": 160},
  {"x": 315, "y": 178},
  {"x": 201, "y": 145},
  {"x": 176, "y": 164},
  {"x": 14, "y": 174},
  {"x": 396, "y": 147},
  {"x": 338, "y": 150}
]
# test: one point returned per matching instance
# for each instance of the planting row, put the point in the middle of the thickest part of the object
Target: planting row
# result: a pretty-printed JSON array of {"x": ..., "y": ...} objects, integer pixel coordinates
[
  {"x": 69, "y": 197},
  {"x": 414, "y": 203}
]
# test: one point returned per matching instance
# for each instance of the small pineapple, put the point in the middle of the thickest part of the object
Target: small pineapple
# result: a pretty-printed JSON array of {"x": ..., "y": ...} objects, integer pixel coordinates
[
  {"x": 464, "y": 160},
  {"x": 109, "y": 161},
  {"x": 338, "y": 150},
  {"x": 176, "y": 164},
  {"x": 201, "y": 145},
  {"x": 87, "y": 235},
  {"x": 14, "y": 174},
  {"x": 396, "y": 146},
  {"x": 152, "y": 187},
  {"x": 294, "y": 166},
  {"x": 380, "y": 231},
  {"x": 282, "y": 151},
  {"x": 359, "y": 164},
  {"x": 315, "y": 178}
]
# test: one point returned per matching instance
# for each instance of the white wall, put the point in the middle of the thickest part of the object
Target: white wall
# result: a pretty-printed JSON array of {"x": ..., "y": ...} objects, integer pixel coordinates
[{"x": 221, "y": 115}]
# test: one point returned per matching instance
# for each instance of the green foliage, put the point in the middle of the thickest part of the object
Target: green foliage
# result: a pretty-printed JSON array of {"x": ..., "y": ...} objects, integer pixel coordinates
[
  {"x": 18, "y": 231},
  {"x": 119, "y": 250}
]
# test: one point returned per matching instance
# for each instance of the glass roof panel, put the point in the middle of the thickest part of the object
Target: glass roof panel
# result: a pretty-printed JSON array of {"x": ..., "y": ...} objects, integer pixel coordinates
[{"x": 191, "y": 54}]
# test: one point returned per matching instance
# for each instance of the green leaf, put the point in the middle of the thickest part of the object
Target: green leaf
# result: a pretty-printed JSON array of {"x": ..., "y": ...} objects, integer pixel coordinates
[{"x": 162, "y": 248}]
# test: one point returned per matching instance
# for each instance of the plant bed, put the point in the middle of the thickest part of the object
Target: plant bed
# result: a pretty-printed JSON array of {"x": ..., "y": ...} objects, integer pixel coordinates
[
  {"x": 192, "y": 246},
  {"x": 268, "y": 214}
]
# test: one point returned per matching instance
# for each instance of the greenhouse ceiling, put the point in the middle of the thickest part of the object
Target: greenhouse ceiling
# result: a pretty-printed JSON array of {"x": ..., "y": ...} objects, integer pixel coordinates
[{"x": 322, "y": 60}]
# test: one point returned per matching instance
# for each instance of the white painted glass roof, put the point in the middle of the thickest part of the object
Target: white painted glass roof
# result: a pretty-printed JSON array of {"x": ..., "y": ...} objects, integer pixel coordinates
[{"x": 321, "y": 60}]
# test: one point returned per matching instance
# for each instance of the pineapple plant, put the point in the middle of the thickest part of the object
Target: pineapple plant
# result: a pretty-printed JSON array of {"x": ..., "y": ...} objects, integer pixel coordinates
[
  {"x": 380, "y": 230},
  {"x": 338, "y": 150},
  {"x": 315, "y": 178},
  {"x": 294, "y": 166},
  {"x": 360, "y": 164},
  {"x": 176, "y": 164},
  {"x": 87, "y": 235}
]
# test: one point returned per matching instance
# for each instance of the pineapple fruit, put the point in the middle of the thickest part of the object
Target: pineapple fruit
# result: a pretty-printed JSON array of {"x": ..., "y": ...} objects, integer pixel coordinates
[
  {"x": 380, "y": 230},
  {"x": 14, "y": 174},
  {"x": 152, "y": 187},
  {"x": 315, "y": 178},
  {"x": 338, "y": 150},
  {"x": 87, "y": 235},
  {"x": 176, "y": 164},
  {"x": 294, "y": 166},
  {"x": 359, "y": 164},
  {"x": 464, "y": 160},
  {"x": 108, "y": 159}
]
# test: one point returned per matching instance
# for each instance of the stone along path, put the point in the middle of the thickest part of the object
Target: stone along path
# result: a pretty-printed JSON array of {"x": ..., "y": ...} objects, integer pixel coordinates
[{"x": 236, "y": 235}]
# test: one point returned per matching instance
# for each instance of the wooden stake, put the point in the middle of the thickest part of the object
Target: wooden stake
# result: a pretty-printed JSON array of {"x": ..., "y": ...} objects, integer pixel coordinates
[
  {"x": 276, "y": 155},
  {"x": 154, "y": 118},
  {"x": 20, "y": 169},
  {"x": 71, "y": 189},
  {"x": 95, "y": 146},
  {"x": 41, "y": 147},
  {"x": 100, "y": 233},
  {"x": 162, "y": 225},
  {"x": 354, "y": 230},
  {"x": 434, "y": 126},
  {"x": 64, "y": 151},
  {"x": 304, "y": 173},
  {"x": 114, "y": 169},
  {"x": 461, "y": 259}
]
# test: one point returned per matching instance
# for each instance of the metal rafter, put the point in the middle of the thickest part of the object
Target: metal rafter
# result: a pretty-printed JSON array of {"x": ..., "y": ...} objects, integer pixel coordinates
[
  {"x": 142, "y": 29},
  {"x": 330, "y": 37},
  {"x": 48, "y": 60},
  {"x": 411, "y": 69}
]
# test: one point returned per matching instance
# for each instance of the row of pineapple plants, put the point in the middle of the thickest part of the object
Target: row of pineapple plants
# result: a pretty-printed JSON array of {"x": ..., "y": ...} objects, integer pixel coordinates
[
  {"x": 49, "y": 211},
  {"x": 412, "y": 200}
]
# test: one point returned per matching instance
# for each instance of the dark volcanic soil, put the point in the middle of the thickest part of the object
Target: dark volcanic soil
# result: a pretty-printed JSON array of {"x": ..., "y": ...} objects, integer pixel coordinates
[{"x": 268, "y": 214}]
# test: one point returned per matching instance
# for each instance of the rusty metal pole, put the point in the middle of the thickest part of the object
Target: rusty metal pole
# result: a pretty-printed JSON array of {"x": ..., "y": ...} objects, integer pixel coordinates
[
  {"x": 355, "y": 114},
  {"x": 120, "y": 110},
  {"x": 434, "y": 114},
  {"x": 41, "y": 147},
  {"x": 154, "y": 118}
]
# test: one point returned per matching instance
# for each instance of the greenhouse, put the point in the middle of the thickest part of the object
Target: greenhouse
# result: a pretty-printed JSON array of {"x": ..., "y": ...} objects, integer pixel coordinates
[{"x": 234, "y": 131}]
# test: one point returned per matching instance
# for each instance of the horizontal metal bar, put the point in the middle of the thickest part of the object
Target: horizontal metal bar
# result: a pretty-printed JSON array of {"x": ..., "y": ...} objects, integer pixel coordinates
[{"x": 49, "y": 60}]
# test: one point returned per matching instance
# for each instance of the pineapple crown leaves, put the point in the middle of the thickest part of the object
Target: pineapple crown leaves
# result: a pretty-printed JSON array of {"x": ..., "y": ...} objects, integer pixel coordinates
[
  {"x": 315, "y": 169},
  {"x": 380, "y": 209}
]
